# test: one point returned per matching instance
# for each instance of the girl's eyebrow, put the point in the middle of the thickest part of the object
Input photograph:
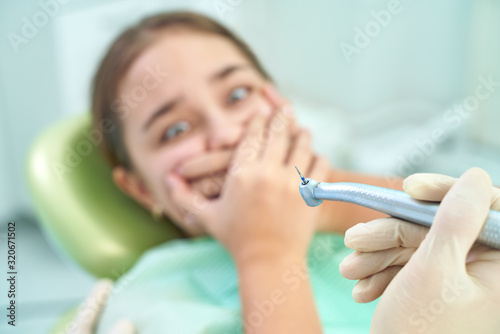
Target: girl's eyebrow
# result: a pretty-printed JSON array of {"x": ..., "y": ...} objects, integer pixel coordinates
[
  {"x": 226, "y": 71},
  {"x": 161, "y": 111}
]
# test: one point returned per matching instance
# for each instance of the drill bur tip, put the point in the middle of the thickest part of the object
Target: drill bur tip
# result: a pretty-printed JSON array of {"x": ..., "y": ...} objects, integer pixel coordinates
[{"x": 302, "y": 177}]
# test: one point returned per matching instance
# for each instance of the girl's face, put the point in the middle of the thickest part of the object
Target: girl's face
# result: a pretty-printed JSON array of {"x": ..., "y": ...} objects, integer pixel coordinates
[{"x": 190, "y": 96}]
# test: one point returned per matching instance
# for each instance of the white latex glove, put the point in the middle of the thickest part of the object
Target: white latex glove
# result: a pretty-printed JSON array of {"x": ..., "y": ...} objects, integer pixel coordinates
[
  {"x": 435, "y": 280},
  {"x": 90, "y": 310}
]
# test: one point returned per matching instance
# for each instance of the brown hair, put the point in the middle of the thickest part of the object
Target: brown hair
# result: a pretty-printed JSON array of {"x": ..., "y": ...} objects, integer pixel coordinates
[{"x": 123, "y": 52}]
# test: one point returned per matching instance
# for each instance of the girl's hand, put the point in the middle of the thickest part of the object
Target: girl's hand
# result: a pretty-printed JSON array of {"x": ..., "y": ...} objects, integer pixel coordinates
[
  {"x": 260, "y": 212},
  {"x": 207, "y": 172}
]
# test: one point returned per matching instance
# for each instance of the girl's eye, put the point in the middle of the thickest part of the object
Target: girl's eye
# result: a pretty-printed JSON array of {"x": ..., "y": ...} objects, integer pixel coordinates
[
  {"x": 238, "y": 94},
  {"x": 175, "y": 130}
]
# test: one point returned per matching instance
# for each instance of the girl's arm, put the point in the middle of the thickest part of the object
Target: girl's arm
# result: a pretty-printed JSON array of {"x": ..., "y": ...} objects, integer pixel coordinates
[
  {"x": 276, "y": 295},
  {"x": 338, "y": 216}
]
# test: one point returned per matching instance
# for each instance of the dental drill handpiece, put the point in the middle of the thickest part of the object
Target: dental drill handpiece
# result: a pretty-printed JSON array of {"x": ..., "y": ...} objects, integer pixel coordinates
[{"x": 395, "y": 203}]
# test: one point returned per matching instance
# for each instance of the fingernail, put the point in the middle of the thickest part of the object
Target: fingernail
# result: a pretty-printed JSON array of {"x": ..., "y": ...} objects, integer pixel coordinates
[
  {"x": 363, "y": 228},
  {"x": 357, "y": 290},
  {"x": 347, "y": 242},
  {"x": 346, "y": 261},
  {"x": 348, "y": 237},
  {"x": 410, "y": 181},
  {"x": 405, "y": 183},
  {"x": 354, "y": 233}
]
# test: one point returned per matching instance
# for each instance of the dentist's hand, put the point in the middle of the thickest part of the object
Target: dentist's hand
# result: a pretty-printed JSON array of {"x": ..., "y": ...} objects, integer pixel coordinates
[{"x": 447, "y": 285}]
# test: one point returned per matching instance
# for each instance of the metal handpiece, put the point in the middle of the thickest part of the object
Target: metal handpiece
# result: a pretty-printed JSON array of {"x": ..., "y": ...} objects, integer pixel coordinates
[{"x": 395, "y": 203}]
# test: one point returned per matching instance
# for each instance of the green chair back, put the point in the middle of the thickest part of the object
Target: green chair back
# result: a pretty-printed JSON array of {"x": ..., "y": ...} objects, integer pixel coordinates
[{"x": 79, "y": 207}]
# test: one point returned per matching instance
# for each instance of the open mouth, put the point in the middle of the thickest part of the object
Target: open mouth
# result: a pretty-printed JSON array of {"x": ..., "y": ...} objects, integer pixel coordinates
[
  {"x": 206, "y": 172},
  {"x": 210, "y": 185}
]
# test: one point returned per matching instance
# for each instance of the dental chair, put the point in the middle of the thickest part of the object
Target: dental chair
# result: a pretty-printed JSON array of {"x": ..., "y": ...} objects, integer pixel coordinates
[{"x": 81, "y": 211}]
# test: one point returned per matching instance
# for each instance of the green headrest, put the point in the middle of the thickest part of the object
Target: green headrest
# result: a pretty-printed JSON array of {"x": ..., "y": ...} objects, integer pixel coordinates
[{"x": 79, "y": 207}]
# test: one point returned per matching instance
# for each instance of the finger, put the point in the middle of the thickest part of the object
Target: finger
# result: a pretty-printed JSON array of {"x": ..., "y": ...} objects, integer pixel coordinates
[
  {"x": 495, "y": 200},
  {"x": 91, "y": 308},
  {"x": 190, "y": 205},
  {"x": 427, "y": 186},
  {"x": 123, "y": 326},
  {"x": 275, "y": 99},
  {"x": 433, "y": 187},
  {"x": 359, "y": 265},
  {"x": 384, "y": 233},
  {"x": 249, "y": 149},
  {"x": 282, "y": 106},
  {"x": 458, "y": 221},
  {"x": 277, "y": 141},
  {"x": 320, "y": 168},
  {"x": 369, "y": 289},
  {"x": 205, "y": 164},
  {"x": 301, "y": 153}
]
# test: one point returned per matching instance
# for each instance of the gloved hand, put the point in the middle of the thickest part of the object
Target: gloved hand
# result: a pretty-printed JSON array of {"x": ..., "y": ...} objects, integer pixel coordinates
[
  {"x": 90, "y": 310},
  {"x": 433, "y": 280}
]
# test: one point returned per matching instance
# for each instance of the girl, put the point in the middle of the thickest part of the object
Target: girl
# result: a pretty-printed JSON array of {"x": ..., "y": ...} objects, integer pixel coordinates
[{"x": 202, "y": 136}]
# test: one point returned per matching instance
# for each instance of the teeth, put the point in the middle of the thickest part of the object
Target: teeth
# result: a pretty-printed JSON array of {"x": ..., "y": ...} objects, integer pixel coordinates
[
  {"x": 213, "y": 196},
  {"x": 210, "y": 186}
]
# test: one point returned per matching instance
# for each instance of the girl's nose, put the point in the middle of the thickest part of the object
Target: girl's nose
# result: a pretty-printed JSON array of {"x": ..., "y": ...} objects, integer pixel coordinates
[{"x": 223, "y": 131}]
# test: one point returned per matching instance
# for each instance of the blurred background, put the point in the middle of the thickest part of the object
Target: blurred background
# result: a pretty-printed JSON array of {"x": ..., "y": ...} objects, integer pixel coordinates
[{"x": 387, "y": 87}]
